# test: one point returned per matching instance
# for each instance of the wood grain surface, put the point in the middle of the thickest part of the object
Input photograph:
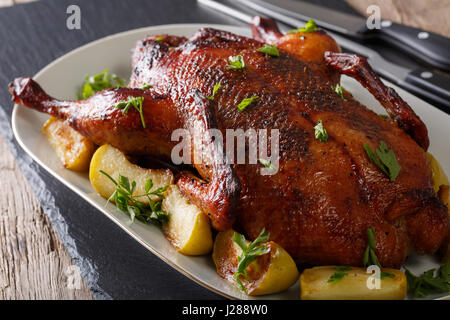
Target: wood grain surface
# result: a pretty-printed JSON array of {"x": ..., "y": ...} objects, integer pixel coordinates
[
  {"x": 33, "y": 262},
  {"x": 430, "y": 15}
]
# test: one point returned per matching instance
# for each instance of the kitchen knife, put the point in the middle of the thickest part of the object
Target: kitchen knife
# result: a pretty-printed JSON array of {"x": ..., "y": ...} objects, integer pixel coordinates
[
  {"x": 428, "y": 47},
  {"x": 430, "y": 85}
]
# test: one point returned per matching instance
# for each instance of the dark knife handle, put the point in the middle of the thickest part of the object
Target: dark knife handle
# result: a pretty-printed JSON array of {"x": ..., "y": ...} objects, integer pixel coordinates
[
  {"x": 428, "y": 47},
  {"x": 430, "y": 85}
]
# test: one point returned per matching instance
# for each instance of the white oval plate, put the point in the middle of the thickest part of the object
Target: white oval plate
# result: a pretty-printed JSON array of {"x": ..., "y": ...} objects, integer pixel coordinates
[{"x": 62, "y": 79}]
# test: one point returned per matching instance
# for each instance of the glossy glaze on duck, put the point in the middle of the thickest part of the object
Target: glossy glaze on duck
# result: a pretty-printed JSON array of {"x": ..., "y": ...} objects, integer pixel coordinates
[{"x": 325, "y": 194}]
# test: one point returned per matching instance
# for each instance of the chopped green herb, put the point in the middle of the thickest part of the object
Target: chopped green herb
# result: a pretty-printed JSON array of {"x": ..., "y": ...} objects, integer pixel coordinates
[
  {"x": 236, "y": 63},
  {"x": 339, "y": 274},
  {"x": 384, "y": 275},
  {"x": 310, "y": 26},
  {"x": 369, "y": 257},
  {"x": 146, "y": 86},
  {"x": 136, "y": 103},
  {"x": 429, "y": 282},
  {"x": 127, "y": 202},
  {"x": 159, "y": 39},
  {"x": 339, "y": 91},
  {"x": 249, "y": 254},
  {"x": 246, "y": 102},
  {"x": 266, "y": 163},
  {"x": 215, "y": 89},
  {"x": 336, "y": 276},
  {"x": 320, "y": 132},
  {"x": 384, "y": 159},
  {"x": 271, "y": 50},
  {"x": 384, "y": 116},
  {"x": 371, "y": 238},
  {"x": 98, "y": 82}
]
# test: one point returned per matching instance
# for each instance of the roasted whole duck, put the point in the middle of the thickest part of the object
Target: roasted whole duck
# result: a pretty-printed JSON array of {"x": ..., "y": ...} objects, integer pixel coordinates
[{"x": 325, "y": 194}]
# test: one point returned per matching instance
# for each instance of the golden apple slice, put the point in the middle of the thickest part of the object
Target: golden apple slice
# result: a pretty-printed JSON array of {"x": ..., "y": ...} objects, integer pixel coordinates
[
  {"x": 315, "y": 285},
  {"x": 114, "y": 162},
  {"x": 438, "y": 176},
  {"x": 270, "y": 273},
  {"x": 188, "y": 228},
  {"x": 73, "y": 149}
]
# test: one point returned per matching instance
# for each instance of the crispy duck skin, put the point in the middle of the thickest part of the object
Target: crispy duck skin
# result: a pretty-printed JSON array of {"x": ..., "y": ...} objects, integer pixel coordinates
[
  {"x": 98, "y": 119},
  {"x": 324, "y": 195}
]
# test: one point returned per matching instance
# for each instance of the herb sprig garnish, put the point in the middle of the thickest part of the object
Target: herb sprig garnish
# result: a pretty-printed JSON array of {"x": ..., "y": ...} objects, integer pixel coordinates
[
  {"x": 266, "y": 163},
  {"x": 310, "y": 26},
  {"x": 384, "y": 159},
  {"x": 246, "y": 102},
  {"x": 146, "y": 86},
  {"x": 429, "y": 282},
  {"x": 98, "y": 82},
  {"x": 339, "y": 273},
  {"x": 127, "y": 202},
  {"x": 249, "y": 254},
  {"x": 159, "y": 39},
  {"x": 215, "y": 89},
  {"x": 236, "y": 63},
  {"x": 271, "y": 50},
  {"x": 386, "y": 275},
  {"x": 136, "y": 103},
  {"x": 339, "y": 91},
  {"x": 320, "y": 133},
  {"x": 369, "y": 257}
]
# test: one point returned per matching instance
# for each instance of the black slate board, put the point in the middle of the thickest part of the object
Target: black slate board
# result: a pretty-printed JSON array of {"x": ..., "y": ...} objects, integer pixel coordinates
[{"x": 32, "y": 35}]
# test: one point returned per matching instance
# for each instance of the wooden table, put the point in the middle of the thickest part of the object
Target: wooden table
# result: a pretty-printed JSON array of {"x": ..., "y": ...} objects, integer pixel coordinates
[{"x": 33, "y": 262}]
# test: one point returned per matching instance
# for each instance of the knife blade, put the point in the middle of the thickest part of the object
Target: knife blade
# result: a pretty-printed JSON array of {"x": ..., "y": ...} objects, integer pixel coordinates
[
  {"x": 428, "y": 47},
  {"x": 417, "y": 81}
]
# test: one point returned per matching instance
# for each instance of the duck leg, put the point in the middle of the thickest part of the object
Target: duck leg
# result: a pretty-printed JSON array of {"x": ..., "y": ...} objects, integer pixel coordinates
[
  {"x": 219, "y": 196},
  {"x": 358, "y": 68},
  {"x": 99, "y": 119}
]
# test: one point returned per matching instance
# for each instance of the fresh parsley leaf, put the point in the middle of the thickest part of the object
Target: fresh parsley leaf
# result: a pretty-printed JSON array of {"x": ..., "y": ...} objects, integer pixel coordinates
[
  {"x": 384, "y": 275},
  {"x": 215, "y": 89},
  {"x": 369, "y": 257},
  {"x": 146, "y": 86},
  {"x": 444, "y": 271},
  {"x": 98, "y": 82},
  {"x": 384, "y": 116},
  {"x": 249, "y": 254},
  {"x": 246, "y": 102},
  {"x": 339, "y": 91},
  {"x": 320, "y": 132},
  {"x": 371, "y": 238},
  {"x": 271, "y": 50},
  {"x": 389, "y": 160},
  {"x": 337, "y": 276},
  {"x": 159, "y": 39},
  {"x": 266, "y": 163},
  {"x": 127, "y": 202},
  {"x": 236, "y": 63},
  {"x": 430, "y": 282},
  {"x": 384, "y": 159},
  {"x": 136, "y": 103},
  {"x": 310, "y": 26}
]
